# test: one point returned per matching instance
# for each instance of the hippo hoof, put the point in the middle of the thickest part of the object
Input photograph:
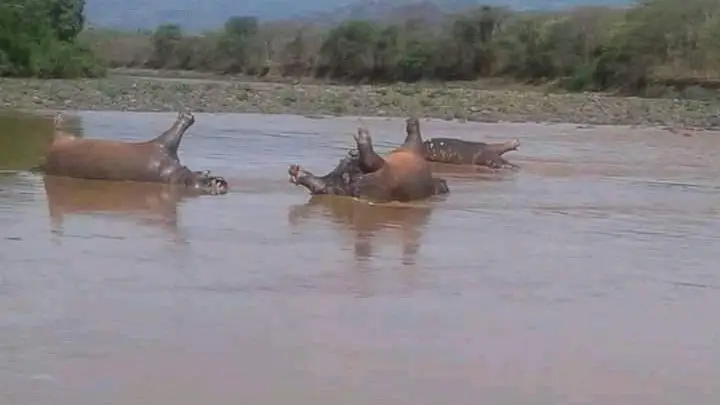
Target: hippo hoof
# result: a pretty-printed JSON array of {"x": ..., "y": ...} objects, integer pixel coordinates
[
  {"x": 362, "y": 137},
  {"x": 412, "y": 122},
  {"x": 187, "y": 116},
  {"x": 513, "y": 144},
  {"x": 294, "y": 172}
]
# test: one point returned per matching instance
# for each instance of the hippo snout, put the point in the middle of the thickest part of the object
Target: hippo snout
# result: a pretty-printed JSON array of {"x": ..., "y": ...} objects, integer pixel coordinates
[
  {"x": 513, "y": 144},
  {"x": 212, "y": 185},
  {"x": 217, "y": 186}
]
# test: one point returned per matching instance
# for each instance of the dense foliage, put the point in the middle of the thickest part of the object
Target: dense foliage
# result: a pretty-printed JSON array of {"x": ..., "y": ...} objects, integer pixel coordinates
[
  {"x": 38, "y": 38},
  {"x": 586, "y": 48}
]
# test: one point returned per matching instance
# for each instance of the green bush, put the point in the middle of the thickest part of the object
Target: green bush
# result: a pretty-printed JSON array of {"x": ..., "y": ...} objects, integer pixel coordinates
[{"x": 38, "y": 38}]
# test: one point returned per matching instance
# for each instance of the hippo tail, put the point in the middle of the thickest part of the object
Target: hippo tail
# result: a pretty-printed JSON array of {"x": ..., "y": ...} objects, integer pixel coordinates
[
  {"x": 58, "y": 120},
  {"x": 58, "y": 133}
]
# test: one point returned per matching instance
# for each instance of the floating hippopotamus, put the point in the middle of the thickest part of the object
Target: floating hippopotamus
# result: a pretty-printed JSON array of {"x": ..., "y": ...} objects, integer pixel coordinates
[
  {"x": 402, "y": 175},
  {"x": 460, "y": 152},
  {"x": 153, "y": 161}
]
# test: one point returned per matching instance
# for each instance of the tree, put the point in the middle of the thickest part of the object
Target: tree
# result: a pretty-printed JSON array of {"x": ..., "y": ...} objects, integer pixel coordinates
[
  {"x": 236, "y": 43},
  {"x": 166, "y": 44},
  {"x": 38, "y": 38},
  {"x": 348, "y": 50},
  {"x": 241, "y": 26},
  {"x": 67, "y": 18}
]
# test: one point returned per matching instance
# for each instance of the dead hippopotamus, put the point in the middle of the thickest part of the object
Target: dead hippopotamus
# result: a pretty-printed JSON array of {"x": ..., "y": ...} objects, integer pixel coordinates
[
  {"x": 342, "y": 180},
  {"x": 460, "y": 152},
  {"x": 403, "y": 175},
  {"x": 153, "y": 161}
]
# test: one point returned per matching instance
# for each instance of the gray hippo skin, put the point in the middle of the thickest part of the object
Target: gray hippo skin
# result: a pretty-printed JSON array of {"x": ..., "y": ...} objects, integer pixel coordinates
[
  {"x": 460, "y": 152},
  {"x": 154, "y": 161}
]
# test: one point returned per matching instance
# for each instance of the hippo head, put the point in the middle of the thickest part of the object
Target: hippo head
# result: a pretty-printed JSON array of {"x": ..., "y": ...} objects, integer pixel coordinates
[
  {"x": 204, "y": 183},
  {"x": 512, "y": 144}
]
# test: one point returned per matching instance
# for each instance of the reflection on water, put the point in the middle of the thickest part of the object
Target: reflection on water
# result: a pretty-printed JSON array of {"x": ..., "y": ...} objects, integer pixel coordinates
[
  {"x": 587, "y": 277},
  {"x": 364, "y": 221},
  {"x": 149, "y": 204}
]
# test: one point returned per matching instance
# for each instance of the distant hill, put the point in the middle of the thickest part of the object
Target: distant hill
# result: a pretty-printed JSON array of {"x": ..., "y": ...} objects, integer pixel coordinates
[
  {"x": 201, "y": 15},
  {"x": 387, "y": 10},
  {"x": 194, "y": 15}
]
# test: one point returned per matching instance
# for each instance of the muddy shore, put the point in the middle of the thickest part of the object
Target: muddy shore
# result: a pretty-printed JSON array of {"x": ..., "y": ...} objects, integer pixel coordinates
[{"x": 130, "y": 93}]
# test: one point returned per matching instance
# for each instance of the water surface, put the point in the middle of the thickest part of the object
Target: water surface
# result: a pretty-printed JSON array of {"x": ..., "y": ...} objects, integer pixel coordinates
[{"x": 588, "y": 277}]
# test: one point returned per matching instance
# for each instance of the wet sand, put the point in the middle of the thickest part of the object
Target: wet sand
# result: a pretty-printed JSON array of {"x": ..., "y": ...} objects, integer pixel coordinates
[{"x": 587, "y": 277}]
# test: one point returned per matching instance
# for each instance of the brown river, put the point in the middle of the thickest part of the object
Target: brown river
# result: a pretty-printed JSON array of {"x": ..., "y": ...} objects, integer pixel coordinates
[{"x": 585, "y": 278}]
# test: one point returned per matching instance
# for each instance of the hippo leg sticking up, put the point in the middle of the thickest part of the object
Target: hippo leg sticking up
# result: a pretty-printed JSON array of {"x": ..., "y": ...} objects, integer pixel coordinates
[
  {"x": 154, "y": 161},
  {"x": 460, "y": 152}
]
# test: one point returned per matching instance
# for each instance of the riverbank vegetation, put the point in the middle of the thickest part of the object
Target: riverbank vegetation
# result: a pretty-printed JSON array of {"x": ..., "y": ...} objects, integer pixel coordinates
[
  {"x": 652, "y": 48},
  {"x": 38, "y": 38},
  {"x": 640, "y": 49}
]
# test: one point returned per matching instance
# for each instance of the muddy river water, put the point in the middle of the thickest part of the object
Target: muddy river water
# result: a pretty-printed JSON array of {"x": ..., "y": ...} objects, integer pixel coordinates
[{"x": 591, "y": 276}]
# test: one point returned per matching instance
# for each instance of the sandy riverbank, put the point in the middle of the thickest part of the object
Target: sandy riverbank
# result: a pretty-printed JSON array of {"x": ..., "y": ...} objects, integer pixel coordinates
[{"x": 133, "y": 93}]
